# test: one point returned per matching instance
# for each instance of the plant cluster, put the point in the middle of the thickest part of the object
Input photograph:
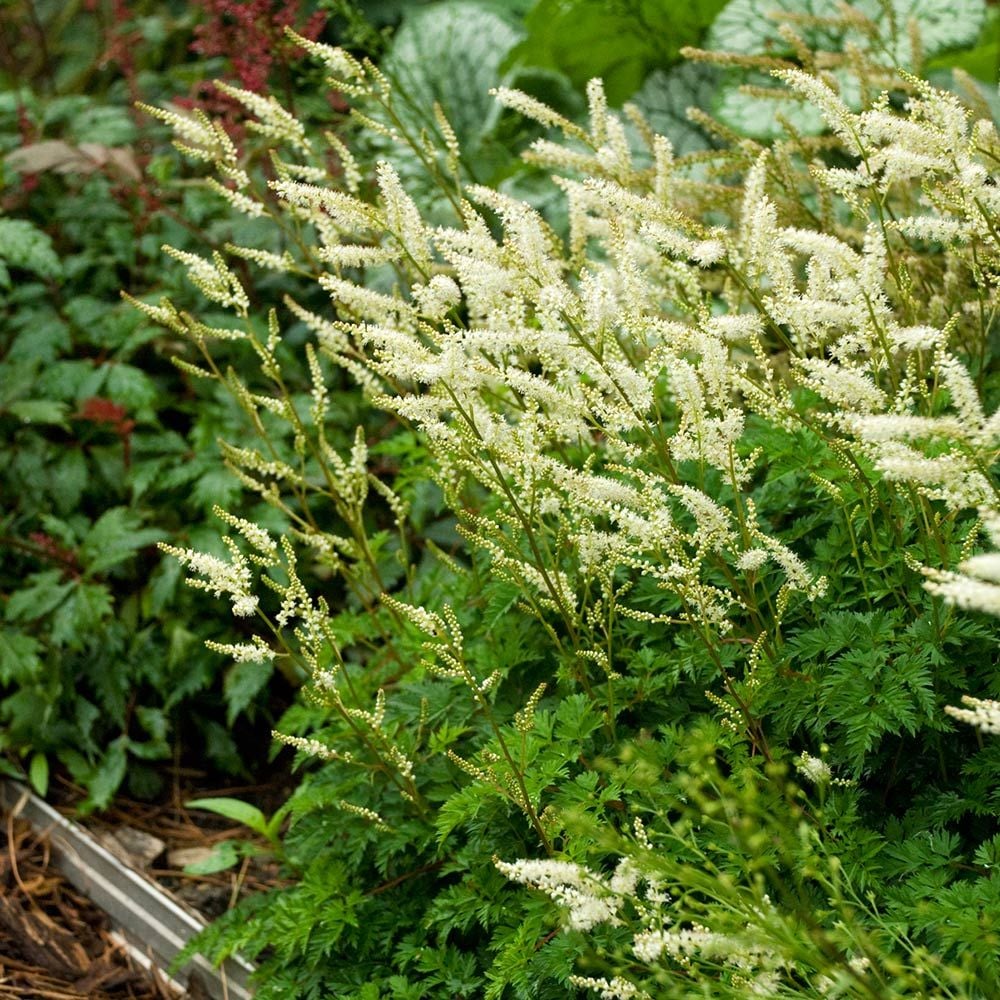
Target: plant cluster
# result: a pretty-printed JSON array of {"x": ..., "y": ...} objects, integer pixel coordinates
[
  {"x": 629, "y": 666},
  {"x": 109, "y": 447},
  {"x": 624, "y": 506},
  {"x": 106, "y": 447}
]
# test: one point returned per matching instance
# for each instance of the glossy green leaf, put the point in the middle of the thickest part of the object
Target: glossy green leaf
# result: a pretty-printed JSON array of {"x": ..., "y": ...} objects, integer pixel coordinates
[
  {"x": 38, "y": 773},
  {"x": 234, "y": 809},
  {"x": 621, "y": 43}
]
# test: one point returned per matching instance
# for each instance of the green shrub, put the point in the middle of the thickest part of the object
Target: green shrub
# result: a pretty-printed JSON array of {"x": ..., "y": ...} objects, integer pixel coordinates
[
  {"x": 106, "y": 446},
  {"x": 624, "y": 598}
]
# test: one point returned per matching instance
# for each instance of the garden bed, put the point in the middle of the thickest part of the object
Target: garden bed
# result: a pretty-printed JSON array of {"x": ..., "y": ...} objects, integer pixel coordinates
[
  {"x": 577, "y": 502},
  {"x": 160, "y": 839},
  {"x": 54, "y": 942},
  {"x": 77, "y": 920}
]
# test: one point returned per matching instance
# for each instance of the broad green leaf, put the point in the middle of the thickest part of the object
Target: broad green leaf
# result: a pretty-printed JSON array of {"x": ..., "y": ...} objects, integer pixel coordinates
[
  {"x": 666, "y": 96},
  {"x": 621, "y": 43},
  {"x": 982, "y": 60},
  {"x": 24, "y": 246},
  {"x": 39, "y": 411},
  {"x": 234, "y": 809},
  {"x": 449, "y": 53},
  {"x": 38, "y": 774},
  {"x": 753, "y": 26},
  {"x": 759, "y": 116},
  {"x": 273, "y": 829}
]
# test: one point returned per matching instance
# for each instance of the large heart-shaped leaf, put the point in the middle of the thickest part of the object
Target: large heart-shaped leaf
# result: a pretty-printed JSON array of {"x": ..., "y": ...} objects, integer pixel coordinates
[
  {"x": 449, "y": 54},
  {"x": 666, "y": 96},
  {"x": 753, "y": 27},
  {"x": 619, "y": 42}
]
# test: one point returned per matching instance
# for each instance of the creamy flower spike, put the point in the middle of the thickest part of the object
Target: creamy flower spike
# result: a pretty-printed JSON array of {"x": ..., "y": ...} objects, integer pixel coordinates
[{"x": 982, "y": 713}]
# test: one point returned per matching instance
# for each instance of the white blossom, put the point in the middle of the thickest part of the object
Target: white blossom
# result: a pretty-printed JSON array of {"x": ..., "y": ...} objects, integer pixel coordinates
[
  {"x": 813, "y": 768},
  {"x": 982, "y": 713},
  {"x": 256, "y": 651},
  {"x": 589, "y": 898},
  {"x": 233, "y": 578}
]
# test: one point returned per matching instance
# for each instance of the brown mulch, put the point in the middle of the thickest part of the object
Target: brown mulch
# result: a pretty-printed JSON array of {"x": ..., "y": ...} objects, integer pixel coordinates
[
  {"x": 54, "y": 943},
  {"x": 181, "y": 828},
  {"x": 57, "y": 945}
]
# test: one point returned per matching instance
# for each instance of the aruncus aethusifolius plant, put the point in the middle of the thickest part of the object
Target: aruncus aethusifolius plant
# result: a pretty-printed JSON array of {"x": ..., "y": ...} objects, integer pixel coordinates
[{"x": 627, "y": 421}]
